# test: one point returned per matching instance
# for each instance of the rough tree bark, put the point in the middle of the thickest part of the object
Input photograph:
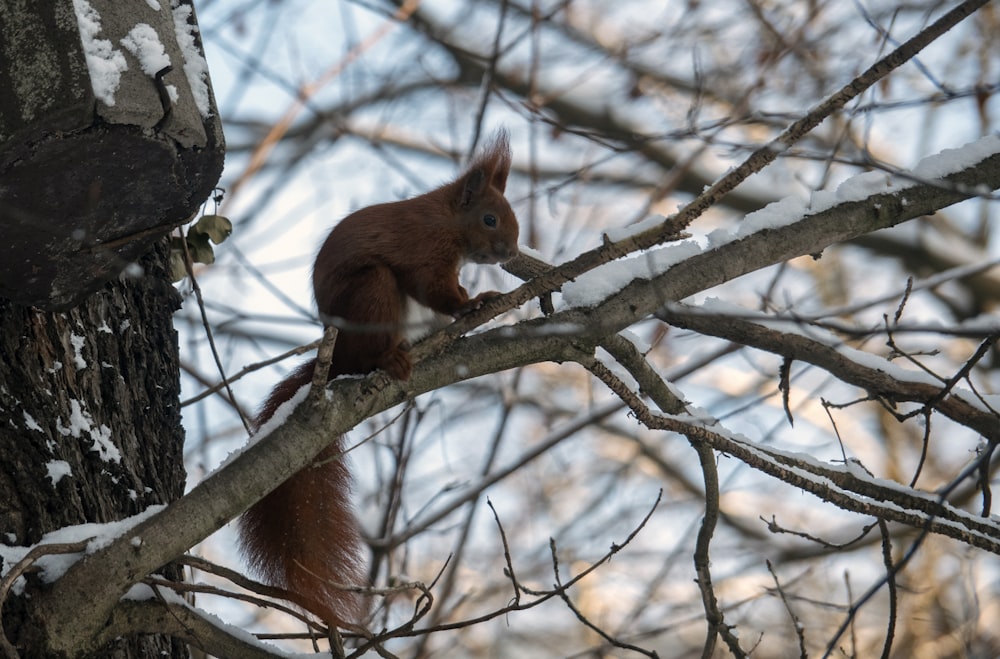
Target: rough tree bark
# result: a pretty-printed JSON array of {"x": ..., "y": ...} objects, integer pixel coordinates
[{"x": 91, "y": 426}]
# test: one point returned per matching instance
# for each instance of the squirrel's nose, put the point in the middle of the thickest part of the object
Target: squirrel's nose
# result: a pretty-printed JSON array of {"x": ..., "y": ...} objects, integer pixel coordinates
[{"x": 504, "y": 251}]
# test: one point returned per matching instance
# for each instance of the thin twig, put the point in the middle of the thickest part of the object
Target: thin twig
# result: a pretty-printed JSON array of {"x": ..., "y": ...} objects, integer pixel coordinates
[
  {"x": 894, "y": 569},
  {"x": 324, "y": 358},
  {"x": 250, "y": 368},
  {"x": 785, "y": 387},
  {"x": 891, "y": 583},
  {"x": 243, "y": 582},
  {"x": 189, "y": 266},
  {"x": 796, "y": 623},
  {"x": 582, "y": 618},
  {"x": 506, "y": 555}
]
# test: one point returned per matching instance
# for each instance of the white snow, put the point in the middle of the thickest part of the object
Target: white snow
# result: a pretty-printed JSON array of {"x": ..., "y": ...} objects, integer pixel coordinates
[
  {"x": 30, "y": 423},
  {"x": 78, "y": 342},
  {"x": 811, "y": 469},
  {"x": 143, "y": 42},
  {"x": 778, "y": 214},
  {"x": 81, "y": 422},
  {"x": 140, "y": 592},
  {"x": 282, "y": 413},
  {"x": 858, "y": 188},
  {"x": 57, "y": 469},
  {"x": 595, "y": 285},
  {"x": 195, "y": 66},
  {"x": 104, "y": 62},
  {"x": 54, "y": 566},
  {"x": 641, "y": 345},
  {"x": 530, "y": 251},
  {"x": 950, "y": 161},
  {"x": 277, "y": 419},
  {"x": 864, "y": 185},
  {"x": 621, "y": 233},
  {"x": 103, "y": 444},
  {"x": 619, "y": 371}
]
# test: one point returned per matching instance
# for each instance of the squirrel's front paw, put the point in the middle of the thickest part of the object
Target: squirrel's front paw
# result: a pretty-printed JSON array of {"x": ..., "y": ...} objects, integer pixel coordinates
[{"x": 476, "y": 303}]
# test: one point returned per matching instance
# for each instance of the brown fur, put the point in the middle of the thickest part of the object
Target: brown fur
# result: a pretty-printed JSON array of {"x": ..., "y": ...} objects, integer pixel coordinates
[{"x": 303, "y": 536}]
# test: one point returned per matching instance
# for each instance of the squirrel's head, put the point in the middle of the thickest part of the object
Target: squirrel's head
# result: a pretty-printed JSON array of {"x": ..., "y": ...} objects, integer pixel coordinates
[{"x": 489, "y": 226}]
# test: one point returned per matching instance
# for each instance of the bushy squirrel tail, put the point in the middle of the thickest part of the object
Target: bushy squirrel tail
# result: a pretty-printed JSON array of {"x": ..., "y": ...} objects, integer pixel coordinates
[{"x": 303, "y": 536}]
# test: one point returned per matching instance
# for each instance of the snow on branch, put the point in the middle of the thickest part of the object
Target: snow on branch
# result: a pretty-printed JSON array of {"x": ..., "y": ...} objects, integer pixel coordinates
[{"x": 868, "y": 201}]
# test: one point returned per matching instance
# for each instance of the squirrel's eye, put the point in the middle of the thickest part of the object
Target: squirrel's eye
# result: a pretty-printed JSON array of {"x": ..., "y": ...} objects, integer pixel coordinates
[{"x": 490, "y": 220}]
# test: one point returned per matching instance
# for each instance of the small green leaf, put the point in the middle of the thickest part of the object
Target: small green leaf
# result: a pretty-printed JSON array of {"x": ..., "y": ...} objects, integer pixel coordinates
[
  {"x": 216, "y": 227},
  {"x": 200, "y": 248},
  {"x": 177, "y": 269}
]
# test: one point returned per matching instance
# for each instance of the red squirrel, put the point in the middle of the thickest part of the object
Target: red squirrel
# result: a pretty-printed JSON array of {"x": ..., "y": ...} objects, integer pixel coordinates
[{"x": 379, "y": 270}]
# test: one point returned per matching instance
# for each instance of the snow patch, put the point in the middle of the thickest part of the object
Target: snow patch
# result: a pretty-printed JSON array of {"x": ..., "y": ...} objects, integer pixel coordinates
[
  {"x": 530, "y": 251},
  {"x": 195, "y": 66},
  {"x": 81, "y": 422},
  {"x": 860, "y": 187},
  {"x": 104, "y": 62},
  {"x": 621, "y": 233},
  {"x": 30, "y": 423},
  {"x": 595, "y": 285},
  {"x": 53, "y": 566},
  {"x": 949, "y": 161},
  {"x": 277, "y": 419},
  {"x": 143, "y": 42},
  {"x": 57, "y": 469},
  {"x": 641, "y": 345},
  {"x": 78, "y": 342}
]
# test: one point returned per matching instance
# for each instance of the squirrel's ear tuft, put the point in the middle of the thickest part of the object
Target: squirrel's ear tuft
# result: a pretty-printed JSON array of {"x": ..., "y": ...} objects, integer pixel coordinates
[
  {"x": 496, "y": 159},
  {"x": 489, "y": 169},
  {"x": 473, "y": 184}
]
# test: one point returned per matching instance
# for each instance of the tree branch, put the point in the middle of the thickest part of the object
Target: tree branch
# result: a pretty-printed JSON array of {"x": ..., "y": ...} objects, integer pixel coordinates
[
  {"x": 750, "y": 331},
  {"x": 180, "y": 620}
]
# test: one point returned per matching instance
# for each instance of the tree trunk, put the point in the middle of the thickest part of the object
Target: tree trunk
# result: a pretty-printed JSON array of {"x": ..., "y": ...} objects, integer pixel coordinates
[
  {"x": 91, "y": 426},
  {"x": 109, "y": 138}
]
